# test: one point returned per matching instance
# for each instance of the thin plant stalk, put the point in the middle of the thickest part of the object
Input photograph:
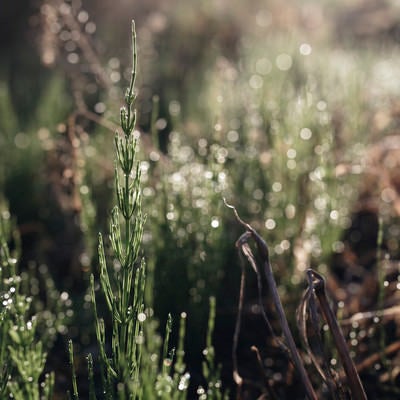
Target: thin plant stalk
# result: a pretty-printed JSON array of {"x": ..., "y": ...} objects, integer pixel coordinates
[
  {"x": 75, "y": 395},
  {"x": 318, "y": 285},
  {"x": 123, "y": 285},
  {"x": 264, "y": 255},
  {"x": 308, "y": 310}
]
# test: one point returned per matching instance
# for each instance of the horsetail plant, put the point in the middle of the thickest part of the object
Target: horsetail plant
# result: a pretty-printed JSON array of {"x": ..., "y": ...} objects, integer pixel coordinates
[
  {"x": 22, "y": 354},
  {"x": 135, "y": 363},
  {"x": 123, "y": 284},
  {"x": 75, "y": 395},
  {"x": 211, "y": 369},
  {"x": 132, "y": 371}
]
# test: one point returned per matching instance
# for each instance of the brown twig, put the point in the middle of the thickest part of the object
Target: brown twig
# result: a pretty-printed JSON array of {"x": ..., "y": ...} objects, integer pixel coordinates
[
  {"x": 236, "y": 375},
  {"x": 86, "y": 47},
  {"x": 308, "y": 311},
  {"x": 99, "y": 120},
  {"x": 318, "y": 286},
  {"x": 362, "y": 316},
  {"x": 264, "y": 254},
  {"x": 242, "y": 244},
  {"x": 268, "y": 386},
  {"x": 372, "y": 359}
]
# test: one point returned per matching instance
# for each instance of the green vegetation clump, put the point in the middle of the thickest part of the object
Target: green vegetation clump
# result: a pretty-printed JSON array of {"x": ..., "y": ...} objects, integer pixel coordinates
[{"x": 28, "y": 326}]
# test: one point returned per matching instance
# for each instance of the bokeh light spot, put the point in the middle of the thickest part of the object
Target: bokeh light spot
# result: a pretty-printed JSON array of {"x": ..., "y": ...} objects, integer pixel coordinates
[{"x": 284, "y": 62}]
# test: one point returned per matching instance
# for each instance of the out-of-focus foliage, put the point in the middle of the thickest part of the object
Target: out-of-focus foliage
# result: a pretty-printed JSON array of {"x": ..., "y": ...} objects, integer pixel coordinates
[
  {"x": 29, "y": 325},
  {"x": 272, "y": 105}
]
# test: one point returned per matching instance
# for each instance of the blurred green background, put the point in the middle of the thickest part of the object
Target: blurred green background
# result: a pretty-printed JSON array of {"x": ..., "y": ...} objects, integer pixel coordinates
[{"x": 288, "y": 109}]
